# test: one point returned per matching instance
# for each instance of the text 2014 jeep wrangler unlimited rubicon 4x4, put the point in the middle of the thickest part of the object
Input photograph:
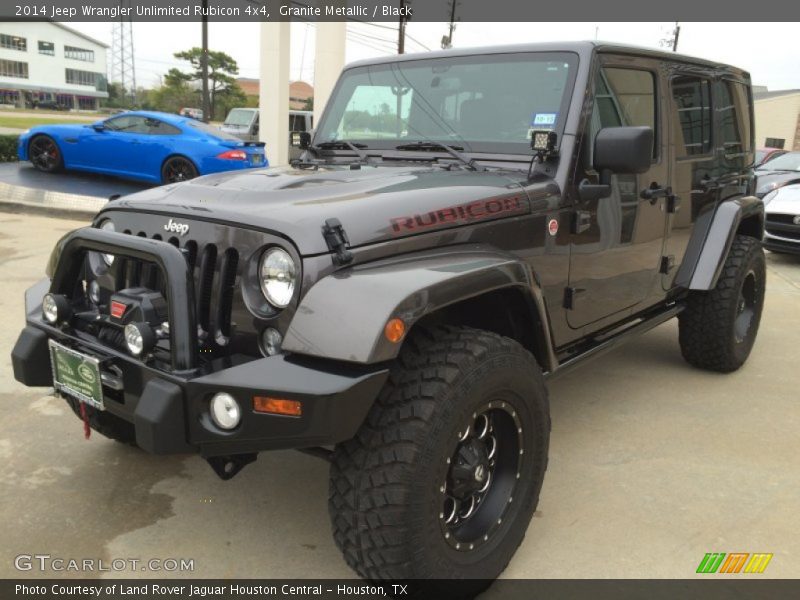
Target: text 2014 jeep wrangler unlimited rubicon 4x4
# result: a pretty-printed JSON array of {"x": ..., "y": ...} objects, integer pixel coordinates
[{"x": 462, "y": 226}]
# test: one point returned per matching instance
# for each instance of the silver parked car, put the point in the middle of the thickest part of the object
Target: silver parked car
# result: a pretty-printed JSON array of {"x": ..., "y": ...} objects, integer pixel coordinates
[{"x": 782, "y": 229}]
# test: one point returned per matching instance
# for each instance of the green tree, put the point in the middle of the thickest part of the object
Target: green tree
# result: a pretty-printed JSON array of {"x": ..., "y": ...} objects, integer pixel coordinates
[
  {"x": 308, "y": 103},
  {"x": 175, "y": 93},
  {"x": 222, "y": 70}
]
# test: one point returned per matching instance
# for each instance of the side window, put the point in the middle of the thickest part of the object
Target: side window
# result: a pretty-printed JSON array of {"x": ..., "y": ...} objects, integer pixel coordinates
[
  {"x": 624, "y": 97},
  {"x": 127, "y": 124},
  {"x": 156, "y": 127},
  {"x": 734, "y": 118},
  {"x": 692, "y": 128}
]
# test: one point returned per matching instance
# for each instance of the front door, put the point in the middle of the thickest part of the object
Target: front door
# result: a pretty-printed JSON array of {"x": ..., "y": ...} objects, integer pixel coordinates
[{"x": 616, "y": 247}]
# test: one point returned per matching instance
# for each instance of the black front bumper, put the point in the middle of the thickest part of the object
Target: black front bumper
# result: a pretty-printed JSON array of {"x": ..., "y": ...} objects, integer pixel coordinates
[{"x": 170, "y": 408}]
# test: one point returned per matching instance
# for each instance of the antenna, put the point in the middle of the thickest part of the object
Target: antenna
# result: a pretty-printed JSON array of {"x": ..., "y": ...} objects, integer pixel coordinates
[{"x": 123, "y": 68}]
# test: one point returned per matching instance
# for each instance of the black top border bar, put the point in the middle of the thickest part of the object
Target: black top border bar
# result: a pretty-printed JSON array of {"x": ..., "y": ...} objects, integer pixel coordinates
[{"x": 532, "y": 11}]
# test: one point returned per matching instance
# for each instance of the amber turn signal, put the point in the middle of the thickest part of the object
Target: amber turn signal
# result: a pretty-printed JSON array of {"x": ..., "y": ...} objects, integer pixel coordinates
[
  {"x": 394, "y": 330},
  {"x": 277, "y": 406}
]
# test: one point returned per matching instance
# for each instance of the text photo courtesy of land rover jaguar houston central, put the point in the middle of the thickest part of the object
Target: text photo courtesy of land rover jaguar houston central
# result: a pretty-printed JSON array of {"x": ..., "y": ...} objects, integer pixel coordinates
[{"x": 462, "y": 226}]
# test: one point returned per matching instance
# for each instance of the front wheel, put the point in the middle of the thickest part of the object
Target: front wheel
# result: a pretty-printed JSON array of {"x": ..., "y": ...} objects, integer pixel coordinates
[
  {"x": 177, "y": 169},
  {"x": 718, "y": 328},
  {"x": 45, "y": 155},
  {"x": 443, "y": 477}
]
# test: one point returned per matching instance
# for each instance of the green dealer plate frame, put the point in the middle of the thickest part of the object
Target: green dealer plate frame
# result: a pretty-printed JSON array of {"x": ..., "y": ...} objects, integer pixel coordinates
[{"x": 76, "y": 374}]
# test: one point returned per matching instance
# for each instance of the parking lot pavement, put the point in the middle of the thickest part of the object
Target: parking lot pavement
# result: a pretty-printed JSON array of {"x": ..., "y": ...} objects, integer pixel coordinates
[
  {"x": 72, "y": 182},
  {"x": 652, "y": 465}
]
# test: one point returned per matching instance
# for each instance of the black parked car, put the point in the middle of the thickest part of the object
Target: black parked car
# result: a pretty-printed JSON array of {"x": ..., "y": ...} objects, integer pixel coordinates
[{"x": 463, "y": 226}]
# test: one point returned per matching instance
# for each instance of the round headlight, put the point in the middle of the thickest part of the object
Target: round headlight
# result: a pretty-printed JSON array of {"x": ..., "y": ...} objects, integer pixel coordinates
[
  {"x": 278, "y": 276},
  {"x": 225, "y": 411},
  {"x": 50, "y": 308},
  {"x": 139, "y": 338},
  {"x": 108, "y": 225}
]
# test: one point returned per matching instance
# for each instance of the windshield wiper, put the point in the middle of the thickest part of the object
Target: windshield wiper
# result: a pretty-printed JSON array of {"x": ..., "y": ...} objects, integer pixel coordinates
[
  {"x": 451, "y": 150},
  {"x": 343, "y": 145}
]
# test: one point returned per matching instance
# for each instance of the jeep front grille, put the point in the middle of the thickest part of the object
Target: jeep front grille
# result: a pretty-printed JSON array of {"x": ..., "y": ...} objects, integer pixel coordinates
[{"x": 214, "y": 274}]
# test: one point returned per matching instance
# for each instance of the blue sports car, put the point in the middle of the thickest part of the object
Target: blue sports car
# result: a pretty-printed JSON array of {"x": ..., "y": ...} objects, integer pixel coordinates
[{"x": 150, "y": 146}]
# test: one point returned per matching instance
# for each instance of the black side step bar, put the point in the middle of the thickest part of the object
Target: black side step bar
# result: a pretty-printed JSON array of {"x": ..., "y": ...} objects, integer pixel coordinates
[{"x": 614, "y": 340}]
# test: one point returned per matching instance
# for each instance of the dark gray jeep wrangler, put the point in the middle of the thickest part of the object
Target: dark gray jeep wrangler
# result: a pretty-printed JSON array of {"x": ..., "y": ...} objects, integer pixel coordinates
[{"x": 462, "y": 226}]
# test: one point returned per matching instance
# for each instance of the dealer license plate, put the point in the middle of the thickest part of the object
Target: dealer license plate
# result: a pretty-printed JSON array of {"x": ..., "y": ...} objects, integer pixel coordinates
[{"x": 76, "y": 374}]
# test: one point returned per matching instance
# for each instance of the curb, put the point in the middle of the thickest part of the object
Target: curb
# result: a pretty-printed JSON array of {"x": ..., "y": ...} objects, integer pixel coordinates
[{"x": 16, "y": 198}]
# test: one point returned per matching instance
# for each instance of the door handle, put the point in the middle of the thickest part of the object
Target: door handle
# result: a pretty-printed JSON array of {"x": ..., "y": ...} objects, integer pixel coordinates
[{"x": 654, "y": 192}]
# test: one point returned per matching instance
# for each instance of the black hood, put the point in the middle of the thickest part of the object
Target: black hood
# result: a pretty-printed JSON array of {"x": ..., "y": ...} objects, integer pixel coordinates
[{"x": 373, "y": 204}]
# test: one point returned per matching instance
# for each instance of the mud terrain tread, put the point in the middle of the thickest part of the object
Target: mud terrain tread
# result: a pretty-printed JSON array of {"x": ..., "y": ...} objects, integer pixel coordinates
[
  {"x": 382, "y": 454},
  {"x": 705, "y": 326}
]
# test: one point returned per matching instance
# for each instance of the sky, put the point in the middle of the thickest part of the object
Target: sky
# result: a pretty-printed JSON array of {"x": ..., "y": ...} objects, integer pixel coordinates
[{"x": 768, "y": 50}]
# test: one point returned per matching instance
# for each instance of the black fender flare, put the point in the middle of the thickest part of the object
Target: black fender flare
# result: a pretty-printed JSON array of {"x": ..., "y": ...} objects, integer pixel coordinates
[
  {"x": 343, "y": 316},
  {"x": 712, "y": 238}
]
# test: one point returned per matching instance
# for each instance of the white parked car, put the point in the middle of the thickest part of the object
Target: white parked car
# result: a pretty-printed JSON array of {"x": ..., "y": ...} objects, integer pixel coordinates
[{"x": 782, "y": 228}]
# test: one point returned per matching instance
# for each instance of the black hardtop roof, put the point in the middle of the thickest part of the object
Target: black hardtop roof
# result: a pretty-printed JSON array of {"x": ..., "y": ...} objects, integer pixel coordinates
[{"x": 583, "y": 49}]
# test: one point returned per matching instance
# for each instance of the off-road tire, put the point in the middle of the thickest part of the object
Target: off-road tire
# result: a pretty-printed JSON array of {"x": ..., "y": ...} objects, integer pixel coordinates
[
  {"x": 708, "y": 325},
  {"x": 105, "y": 423},
  {"x": 385, "y": 482}
]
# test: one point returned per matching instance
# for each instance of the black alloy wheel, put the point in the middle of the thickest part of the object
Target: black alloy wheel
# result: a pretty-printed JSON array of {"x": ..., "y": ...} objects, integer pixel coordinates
[
  {"x": 45, "y": 155},
  {"x": 177, "y": 169}
]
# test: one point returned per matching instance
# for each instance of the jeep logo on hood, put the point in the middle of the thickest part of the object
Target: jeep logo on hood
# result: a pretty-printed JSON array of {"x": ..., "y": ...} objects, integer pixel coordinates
[{"x": 175, "y": 227}]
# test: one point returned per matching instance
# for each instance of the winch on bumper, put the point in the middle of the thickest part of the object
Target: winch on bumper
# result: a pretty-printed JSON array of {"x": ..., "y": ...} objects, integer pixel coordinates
[{"x": 170, "y": 408}]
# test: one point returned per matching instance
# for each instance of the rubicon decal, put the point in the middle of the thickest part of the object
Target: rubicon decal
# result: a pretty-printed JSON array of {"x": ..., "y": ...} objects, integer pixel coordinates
[
  {"x": 734, "y": 562},
  {"x": 480, "y": 210}
]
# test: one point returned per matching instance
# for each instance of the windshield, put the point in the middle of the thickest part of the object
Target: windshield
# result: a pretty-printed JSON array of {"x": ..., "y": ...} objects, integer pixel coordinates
[
  {"x": 212, "y": 130},
  {"x": 240, "y": 117},
  {"x": 760, "y": 154},
  {"x": 787, "y": 162},
  {"x": 484, "y": 103}
]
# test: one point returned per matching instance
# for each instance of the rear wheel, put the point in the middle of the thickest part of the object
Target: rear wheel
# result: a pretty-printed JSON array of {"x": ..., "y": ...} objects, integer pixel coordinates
[
  {"x": 45, "y": 154},
  {"x": 718, "y": 328},
  {"x": 443, "y": 477},
  {"x": 177, "y": 169}
]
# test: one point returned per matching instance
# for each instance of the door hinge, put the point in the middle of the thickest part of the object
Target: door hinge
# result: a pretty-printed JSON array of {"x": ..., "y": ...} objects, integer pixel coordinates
[
  {"x": 581, "y": 221},
  {"x": 667, "y": 264},
  {"x": 570, "y": 296},
  {"x": 337, "y": 240}
]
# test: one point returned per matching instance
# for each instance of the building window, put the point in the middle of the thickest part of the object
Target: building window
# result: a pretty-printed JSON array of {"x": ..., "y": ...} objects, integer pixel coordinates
[
  {"x": 775, "y": 143},
  {"x": 13, "y": 42},
  {"x": 693, "y": 128},
  {"x": 48, "y": 48},
  {"x": 76, "y": 77},
  {"x": 79, "y": 53},
  {"x": 13, "y": 68}
]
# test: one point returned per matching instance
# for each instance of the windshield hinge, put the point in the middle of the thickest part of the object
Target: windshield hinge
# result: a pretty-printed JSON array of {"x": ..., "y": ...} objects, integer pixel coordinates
[{"x": 336, "y": 238}]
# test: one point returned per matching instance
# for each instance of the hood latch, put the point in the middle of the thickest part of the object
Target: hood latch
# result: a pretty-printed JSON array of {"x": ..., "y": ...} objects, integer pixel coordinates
[{"x": 337, "y": 240}]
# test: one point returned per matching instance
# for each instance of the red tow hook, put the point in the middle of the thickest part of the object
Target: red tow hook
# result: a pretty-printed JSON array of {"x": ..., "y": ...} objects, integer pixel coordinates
[{"x": 87, "y": 430}]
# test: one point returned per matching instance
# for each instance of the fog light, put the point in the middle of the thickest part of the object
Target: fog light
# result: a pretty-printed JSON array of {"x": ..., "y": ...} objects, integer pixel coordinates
[
  {"x": 94, "y": 291},
  {"x": 271, "y": 340},
  {"x": 55, "y": 308},
  {"x": 139, "y": 338},
  {"x": 225, "y": 411}
]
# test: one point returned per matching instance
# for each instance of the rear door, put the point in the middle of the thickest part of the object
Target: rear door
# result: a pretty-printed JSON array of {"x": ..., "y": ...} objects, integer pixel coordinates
[{"x": 617, "y": 241}]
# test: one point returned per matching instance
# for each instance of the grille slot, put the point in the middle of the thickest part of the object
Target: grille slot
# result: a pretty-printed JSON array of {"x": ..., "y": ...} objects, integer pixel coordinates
[
  {"x": 227, "y": 277},
  {"x": 205, "y": 287}
]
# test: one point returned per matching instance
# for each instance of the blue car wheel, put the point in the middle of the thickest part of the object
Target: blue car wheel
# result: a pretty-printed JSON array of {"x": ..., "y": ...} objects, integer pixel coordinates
[
  {"x": 45, "y": 155},
  {"x": 177, "y": 169}
]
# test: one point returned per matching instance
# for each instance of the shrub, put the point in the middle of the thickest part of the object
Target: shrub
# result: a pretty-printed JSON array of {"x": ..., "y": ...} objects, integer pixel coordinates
[{"x": 8, "y": 148}]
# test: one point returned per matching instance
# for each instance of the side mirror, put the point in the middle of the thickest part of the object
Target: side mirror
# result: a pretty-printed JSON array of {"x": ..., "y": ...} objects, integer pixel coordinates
[
  {"x": 301, "y": 139},
  {"x": 99, "y": 126},
  {"x": 623, "y": 150}
]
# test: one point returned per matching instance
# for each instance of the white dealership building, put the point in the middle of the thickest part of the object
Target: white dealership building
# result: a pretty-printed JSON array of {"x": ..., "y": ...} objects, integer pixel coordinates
[{"x": 50, "y": 62}]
